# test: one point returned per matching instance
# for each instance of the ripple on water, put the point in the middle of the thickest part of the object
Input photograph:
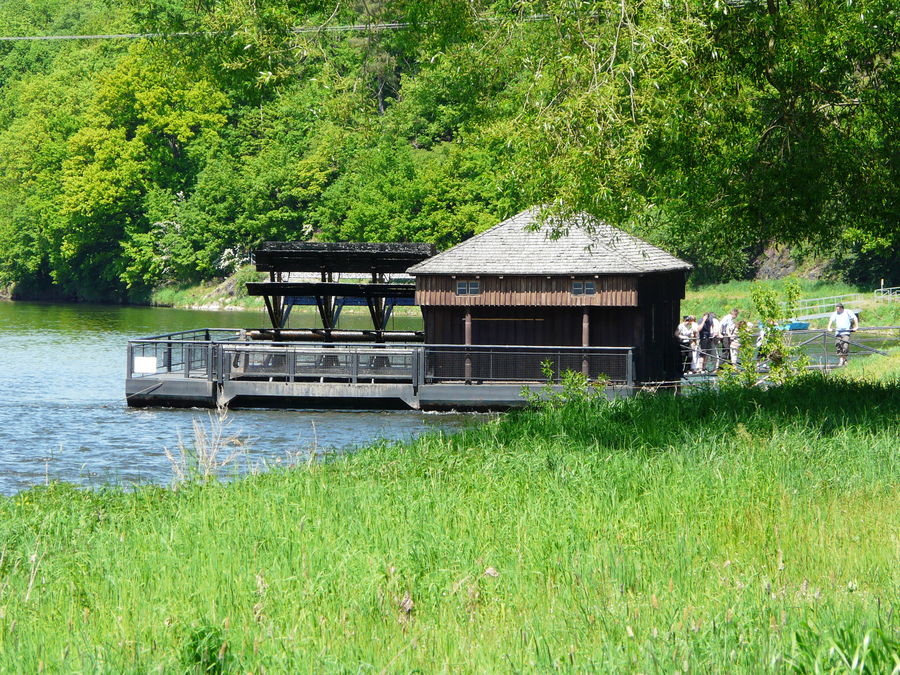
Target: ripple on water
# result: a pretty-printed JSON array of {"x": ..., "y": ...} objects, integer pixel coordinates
[{"x": 63, "y": 415}]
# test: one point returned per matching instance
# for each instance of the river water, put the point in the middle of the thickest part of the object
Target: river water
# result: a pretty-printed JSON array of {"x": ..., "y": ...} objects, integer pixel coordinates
[{"x": 63, "y": 414}]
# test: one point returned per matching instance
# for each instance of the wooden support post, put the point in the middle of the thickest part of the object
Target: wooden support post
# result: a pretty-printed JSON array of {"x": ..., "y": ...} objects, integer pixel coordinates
[
  {"x": 468, "y": 364},
  {"x": 271, "y": 310},
  {"x": 585, "y": 341},
  {"x": 275, "y": 309}
]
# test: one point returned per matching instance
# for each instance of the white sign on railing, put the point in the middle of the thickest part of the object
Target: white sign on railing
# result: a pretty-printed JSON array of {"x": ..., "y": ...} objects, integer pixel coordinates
[{"x": 145, "y": 365}]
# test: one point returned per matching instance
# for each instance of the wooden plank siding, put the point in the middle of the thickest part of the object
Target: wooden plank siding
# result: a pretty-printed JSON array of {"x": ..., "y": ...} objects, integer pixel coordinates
[
  {"x": 527, "y": 291},
  {"x": 640, "y": 312}
]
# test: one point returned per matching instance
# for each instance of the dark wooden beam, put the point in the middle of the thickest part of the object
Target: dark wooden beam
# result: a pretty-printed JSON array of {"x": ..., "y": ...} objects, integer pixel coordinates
[
  {"x": 305, "y": 256},
  {"x": 315, "y": 288}
]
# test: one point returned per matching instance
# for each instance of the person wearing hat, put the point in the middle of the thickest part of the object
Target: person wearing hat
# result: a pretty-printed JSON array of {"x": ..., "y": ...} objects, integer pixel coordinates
[{"x": 844, "y": 322}]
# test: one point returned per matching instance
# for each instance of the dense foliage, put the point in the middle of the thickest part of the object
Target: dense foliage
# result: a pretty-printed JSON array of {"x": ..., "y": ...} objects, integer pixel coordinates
[{"x": 708, "y": 127}]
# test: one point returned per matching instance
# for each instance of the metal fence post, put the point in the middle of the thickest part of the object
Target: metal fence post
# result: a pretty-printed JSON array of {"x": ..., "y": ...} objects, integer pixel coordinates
[
  {"x": 467, "y": 367},
  {"x": 354, "y": 366},
  {"x": 130, "y": 359},
  {"x": 292, "y": 366},
  {"x": 422, "y": 356},
  {"x": 629, "y": 368},
  {"x": 414, "y": 367},
  {"x": 187, "y": 353},
  {"x": 210, "y": 355}
]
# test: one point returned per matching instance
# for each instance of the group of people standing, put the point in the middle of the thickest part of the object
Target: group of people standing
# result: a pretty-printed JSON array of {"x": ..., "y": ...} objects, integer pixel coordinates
[{"x": 710, "y": 341}]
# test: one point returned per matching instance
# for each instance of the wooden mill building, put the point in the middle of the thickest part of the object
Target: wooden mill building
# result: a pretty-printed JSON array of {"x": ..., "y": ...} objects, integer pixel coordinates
[
  {"x": 499, "y": 310},
  {"x": 517, "y": 284}
]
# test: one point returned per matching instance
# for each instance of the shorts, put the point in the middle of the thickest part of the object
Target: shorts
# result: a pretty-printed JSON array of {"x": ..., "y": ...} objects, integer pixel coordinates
[
  {"x": 706, "y": 344},
  {"x": 842, "y": 344}
]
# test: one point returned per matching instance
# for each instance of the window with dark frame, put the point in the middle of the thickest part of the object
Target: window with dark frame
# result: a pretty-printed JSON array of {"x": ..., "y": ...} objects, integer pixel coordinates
[
  {"x": 583, "y": 288},
  {"x": 468, "y": 287}
]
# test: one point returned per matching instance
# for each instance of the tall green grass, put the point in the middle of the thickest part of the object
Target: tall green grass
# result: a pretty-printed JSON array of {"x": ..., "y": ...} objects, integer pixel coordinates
[
  {"x": 741, "y": 532},
  {"x": 869, "y": 368}
]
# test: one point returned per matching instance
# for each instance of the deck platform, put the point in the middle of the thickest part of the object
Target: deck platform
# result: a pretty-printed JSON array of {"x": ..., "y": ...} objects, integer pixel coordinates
[{"x": 214, "y": 367}]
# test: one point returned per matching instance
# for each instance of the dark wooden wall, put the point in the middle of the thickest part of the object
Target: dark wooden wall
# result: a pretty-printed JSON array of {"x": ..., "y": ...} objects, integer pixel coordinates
[
  {"x": 649, "y": 328},
  {"x": 558, "y": 326},
  {"x": 660, "y": 296}
]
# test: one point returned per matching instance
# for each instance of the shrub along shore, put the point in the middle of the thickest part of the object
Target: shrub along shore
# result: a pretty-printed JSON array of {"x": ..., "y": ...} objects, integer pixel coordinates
[{"x": 719, "y": 532}]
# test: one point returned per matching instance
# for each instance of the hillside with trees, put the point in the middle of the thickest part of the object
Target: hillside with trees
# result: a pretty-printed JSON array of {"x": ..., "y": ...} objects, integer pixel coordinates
[{"x": 712, "y": 128}]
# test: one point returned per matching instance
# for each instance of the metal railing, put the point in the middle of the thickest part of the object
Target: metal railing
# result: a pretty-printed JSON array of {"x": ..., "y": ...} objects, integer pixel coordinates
[
  {"x": 892, "y": 293},
  {"x": 199, "y": 335},
  {"x": 818, "y": 346},
  {"x": 180, "y": 356},
  {"x": 815, "y": 306}
]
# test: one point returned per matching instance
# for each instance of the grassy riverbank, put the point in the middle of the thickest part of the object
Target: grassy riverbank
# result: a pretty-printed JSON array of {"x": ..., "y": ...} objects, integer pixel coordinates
[{"x": 717, "y": 532}]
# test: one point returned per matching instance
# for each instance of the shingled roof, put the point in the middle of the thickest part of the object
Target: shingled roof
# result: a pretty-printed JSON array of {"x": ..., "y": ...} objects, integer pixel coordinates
[{"x": 515, "y": 247}]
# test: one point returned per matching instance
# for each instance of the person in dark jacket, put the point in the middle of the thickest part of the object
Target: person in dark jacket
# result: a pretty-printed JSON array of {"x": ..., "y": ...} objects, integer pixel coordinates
[{"x": 705, "y": 334}]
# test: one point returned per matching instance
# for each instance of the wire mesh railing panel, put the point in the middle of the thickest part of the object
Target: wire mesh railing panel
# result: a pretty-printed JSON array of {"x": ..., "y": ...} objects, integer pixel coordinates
[
  {"x": 612, "y": 366},
  {"x": 196, "y": 361},
  {"x": 265, "y": 363},
  {"x": 150, "y": 358},
  {"x": 385, "y": 364},
  {"x": 325, "y": 363},
  {"x": 518, "y": 364}
]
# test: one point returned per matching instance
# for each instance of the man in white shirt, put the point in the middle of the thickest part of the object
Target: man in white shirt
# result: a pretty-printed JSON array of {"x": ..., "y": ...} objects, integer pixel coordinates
[
  {"x": 844, "y": 323},
  {"x": 729, "y": 332},
  {"x": 684, "y": 333}
]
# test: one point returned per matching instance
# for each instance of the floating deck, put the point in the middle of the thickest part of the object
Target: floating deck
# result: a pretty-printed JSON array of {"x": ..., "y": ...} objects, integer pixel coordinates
[{"x": 213, "y": 367}]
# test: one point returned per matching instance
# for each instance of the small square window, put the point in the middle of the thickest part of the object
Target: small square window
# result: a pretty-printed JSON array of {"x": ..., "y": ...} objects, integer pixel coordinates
[
  {"x": 468, "y": 287},
  {"x": 583, "y": 288}
]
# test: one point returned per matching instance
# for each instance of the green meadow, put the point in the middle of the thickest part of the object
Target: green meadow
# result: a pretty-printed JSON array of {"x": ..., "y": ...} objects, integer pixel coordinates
[
  {"x": 721, "y": 298},
  {"x": 735, "y": 531}
]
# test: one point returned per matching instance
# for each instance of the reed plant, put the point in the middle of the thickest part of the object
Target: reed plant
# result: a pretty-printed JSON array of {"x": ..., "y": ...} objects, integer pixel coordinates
[
  {"x": 741, "y": 531},
  {"x": 209, "y": 453}
]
